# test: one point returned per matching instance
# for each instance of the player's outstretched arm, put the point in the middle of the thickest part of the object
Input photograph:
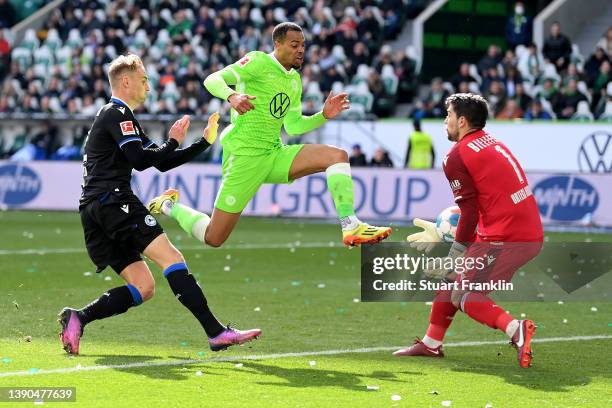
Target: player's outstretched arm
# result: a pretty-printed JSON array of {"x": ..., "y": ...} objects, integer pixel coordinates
[
  {"x": 298, "y": 124},
  {"x": 182, "y": 156}
]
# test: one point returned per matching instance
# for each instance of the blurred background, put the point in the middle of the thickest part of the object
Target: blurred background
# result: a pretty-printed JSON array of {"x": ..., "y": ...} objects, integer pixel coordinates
[{"x": 544, "y": 67}]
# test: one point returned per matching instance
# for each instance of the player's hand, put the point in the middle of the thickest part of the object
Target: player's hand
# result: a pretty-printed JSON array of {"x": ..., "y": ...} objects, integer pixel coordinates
[
  {"x": 424, "y": 240},
  {"x": 444, "y": 268},
  {"x": 334, "y": 104},
  {"x": 441, "y": 272},
  {"x": 210, "y": 133},
  {"x": 241, "y": 102},
  {"x": 178, "y": 131}
]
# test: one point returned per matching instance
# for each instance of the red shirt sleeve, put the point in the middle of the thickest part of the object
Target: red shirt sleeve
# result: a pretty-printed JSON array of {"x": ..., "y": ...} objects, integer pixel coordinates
[{"x": 465, "y": 193}]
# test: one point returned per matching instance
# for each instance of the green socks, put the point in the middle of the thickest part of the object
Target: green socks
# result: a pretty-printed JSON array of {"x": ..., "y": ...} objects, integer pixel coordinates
[{"x": 340, "y": 185}]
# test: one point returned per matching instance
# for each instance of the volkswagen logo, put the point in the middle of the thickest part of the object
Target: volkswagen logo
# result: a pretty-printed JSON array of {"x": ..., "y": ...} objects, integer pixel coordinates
[
  {"x": 595, "y": 153},
  {"x": 280, "y": 105}
]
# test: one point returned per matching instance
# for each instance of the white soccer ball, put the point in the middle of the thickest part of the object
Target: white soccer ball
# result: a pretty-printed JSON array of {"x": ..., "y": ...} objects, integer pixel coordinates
[{"x": 447, "y": 222}]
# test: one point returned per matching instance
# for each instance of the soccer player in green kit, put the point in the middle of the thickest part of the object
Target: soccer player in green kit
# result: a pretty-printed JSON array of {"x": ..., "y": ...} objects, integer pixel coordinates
[{"x": 267, "y": 96}]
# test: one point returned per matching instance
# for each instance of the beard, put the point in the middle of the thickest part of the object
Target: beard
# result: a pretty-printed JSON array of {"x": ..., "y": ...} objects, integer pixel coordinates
[{"x": 452, "y": 136}]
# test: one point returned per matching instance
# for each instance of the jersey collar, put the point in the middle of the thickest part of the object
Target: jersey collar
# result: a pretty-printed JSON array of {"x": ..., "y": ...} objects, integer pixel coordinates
[
  {"x": 285, "y": 70},
  {"x": 474, "y": 134},
  {"x": 120, "y": 102}
]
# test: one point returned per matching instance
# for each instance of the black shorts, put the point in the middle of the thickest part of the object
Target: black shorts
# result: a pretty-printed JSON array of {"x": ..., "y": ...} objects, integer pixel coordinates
[{"x": 117, "y": 229}]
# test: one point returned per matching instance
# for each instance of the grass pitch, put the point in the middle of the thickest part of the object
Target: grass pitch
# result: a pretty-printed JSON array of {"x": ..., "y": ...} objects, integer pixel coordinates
[{"x": 320, "y": 346}]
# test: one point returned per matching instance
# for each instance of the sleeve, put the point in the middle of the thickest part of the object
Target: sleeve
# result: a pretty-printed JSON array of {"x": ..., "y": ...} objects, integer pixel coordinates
[
  {"x": 242, "y": 70},
  {"x": 465, "y": 193},
  {"x": 459, "y": 178},
  {"x": 182, "y": 156},
  {"x": 466, "y": 230},
  {"x": 124, "y": 133},
  {"x": 297, "y": 124}
]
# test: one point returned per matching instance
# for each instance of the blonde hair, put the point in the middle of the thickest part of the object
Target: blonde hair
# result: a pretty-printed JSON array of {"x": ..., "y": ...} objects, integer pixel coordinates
[{"x": 121, "y": 65}]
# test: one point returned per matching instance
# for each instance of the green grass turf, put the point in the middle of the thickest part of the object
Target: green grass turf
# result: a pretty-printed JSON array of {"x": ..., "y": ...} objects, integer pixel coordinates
[{"x": 295, "y": 314}]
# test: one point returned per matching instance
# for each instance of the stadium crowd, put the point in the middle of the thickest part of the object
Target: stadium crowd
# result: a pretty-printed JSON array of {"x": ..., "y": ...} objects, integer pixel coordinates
[
  {"x": 60, "y": 68},
  {"x": 524, "y": 82}
]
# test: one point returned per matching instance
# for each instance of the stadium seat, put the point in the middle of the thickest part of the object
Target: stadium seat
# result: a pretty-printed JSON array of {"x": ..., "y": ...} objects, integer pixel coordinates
[
  {"x": 363, "y": 71},
  {"x": 53, "y": 40},
  {"x": 583, "y": 112},
  {"x": 389, "y": 79},
  {"x": 607, "y": 114},
  {"x": 23, "y": 57},
  {"x": 30, "y": 40},
  {"x": 361, "y": 96},
  {"x": 74, "y": 39}
]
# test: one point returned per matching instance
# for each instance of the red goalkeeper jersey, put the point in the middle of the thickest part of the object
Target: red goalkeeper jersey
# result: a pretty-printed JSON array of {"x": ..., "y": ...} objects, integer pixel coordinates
[{"x": 481, "y": 167}]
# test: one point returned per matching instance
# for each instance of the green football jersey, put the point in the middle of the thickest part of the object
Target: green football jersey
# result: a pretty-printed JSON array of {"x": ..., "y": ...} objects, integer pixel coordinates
[{"x": 278, "y": 95}]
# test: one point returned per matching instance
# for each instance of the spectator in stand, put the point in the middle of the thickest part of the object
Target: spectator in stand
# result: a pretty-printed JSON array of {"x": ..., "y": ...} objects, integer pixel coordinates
[
  {"x": 462, "y": 76},
  {"x": 496, "y": 96},
  {"x": 464, "y": 87},
  {"x": 569, "y": 99},
  {"x": 381, "y": 159},
  {"x": 509, "y": 60},
  {"x": 512, "y": 79},
  {"x": 601, "y": 82},
  {"x": 5, "y": 55},
  {"x": 420, "y": 153},
  {"x": 522, "y": 99},
  {"x": 490, "y": 60},
  {"x": 357, "y": 158},
  {"x": 591, "y": 67},
  {"x": 605, "y": 42},
  {"x": 530, "y": 64},
  {"x": 571, "y": 73},
  {"x": 518, "y": 27},
  {"x": 510, "y": 111},
  {"x": 536, "y": 112},
  {"x": 405, "y": 69},
  {"x": 601, "y": 106},
  {"x": 378, "y": 90},
  {"x": 490, "y": 76},
  {"x": 551, "y": 93},
  {"x": 557, "y": 48},
  {"x": 433, "y": 106}
]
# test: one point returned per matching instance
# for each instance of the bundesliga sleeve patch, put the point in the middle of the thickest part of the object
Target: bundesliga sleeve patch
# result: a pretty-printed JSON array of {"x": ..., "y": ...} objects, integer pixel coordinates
[
  {"x": 127, "y": 128},
  {"x": 243, "y": 61}
]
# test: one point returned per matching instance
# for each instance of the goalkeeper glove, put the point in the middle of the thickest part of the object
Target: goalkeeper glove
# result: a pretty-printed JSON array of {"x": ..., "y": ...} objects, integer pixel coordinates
[
  {"x": 425, "y": 240},
  {"x": 456, "y": 251},
  {"x": 210, "y": 133}
]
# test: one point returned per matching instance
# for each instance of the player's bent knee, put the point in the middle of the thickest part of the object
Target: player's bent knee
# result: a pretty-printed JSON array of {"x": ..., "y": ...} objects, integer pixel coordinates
[
  {"x": 214, "y": 242},
  {"x": 338, "y": 155}
]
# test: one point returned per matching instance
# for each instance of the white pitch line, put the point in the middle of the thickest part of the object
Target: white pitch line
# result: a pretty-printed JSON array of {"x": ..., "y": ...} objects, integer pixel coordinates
[
  {"x": 44, "y": 251},
  {"x": 283, "y": 355}
]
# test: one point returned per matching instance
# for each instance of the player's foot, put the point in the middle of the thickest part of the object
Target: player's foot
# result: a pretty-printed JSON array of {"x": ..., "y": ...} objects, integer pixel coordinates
[
  {"x": 420, "y": 349},
  {"x": 155, "y": 205},
  {"x": 231, "y": 336},
  {"x": 72, "y": 330},
  {"x": 521, "y": 341},
  {"x": 365, "y": 234}
]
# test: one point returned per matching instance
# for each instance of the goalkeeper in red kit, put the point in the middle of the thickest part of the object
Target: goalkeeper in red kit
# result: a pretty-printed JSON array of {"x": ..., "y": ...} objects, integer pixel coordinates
[{"x": 499, "y": 223}]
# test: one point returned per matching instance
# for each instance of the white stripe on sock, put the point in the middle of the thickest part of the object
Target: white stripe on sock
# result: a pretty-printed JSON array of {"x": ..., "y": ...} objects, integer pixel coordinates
[
  {"x": 512, "y": 328},
  {"x": 431, "y": 343},
  {"x": 338, "y": 168},
  {"x": 198, "y": 231}
]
